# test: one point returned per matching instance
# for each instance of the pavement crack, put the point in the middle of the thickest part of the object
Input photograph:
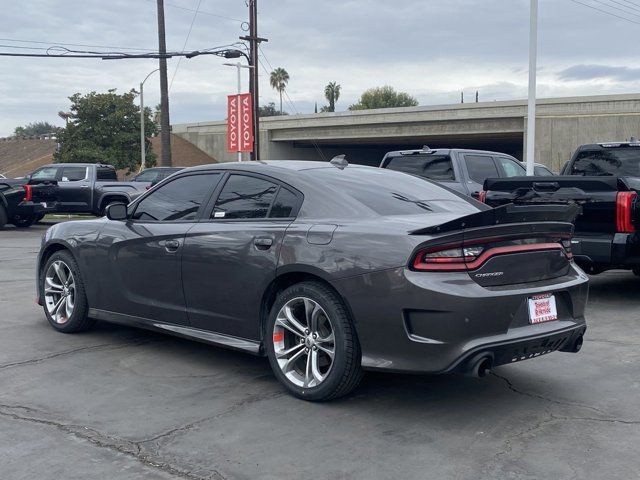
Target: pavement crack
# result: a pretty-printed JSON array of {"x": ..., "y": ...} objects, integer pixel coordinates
[
  {"x": 126, "y": 447},
  {"x": 251, "y": 399},
  {"x": 101, "y": 346},
  {"x": 546, "y": 399}
]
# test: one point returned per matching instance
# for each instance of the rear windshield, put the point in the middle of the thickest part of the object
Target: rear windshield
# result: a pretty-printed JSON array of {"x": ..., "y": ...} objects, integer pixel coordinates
[
  {"x": 435, "y": 167},
  {"x": 392, "y": 193},
  {"x": 624, "y": 161}
]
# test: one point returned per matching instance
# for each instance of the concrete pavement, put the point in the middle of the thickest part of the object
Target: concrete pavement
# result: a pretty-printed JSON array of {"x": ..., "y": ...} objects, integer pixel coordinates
[{"x": 122, "y": 403}]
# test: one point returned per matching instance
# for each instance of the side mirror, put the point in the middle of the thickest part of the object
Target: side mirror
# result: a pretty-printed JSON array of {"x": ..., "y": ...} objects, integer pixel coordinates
[{"x": 116, "y": 211}]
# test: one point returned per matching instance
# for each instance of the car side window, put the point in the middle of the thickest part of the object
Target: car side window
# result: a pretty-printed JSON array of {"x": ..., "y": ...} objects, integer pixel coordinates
[
  {"x": 285, "y": 204},
  {"x": 178, "y": 200},
  {"x": 244, "y": 196},
  {"x": 46, "y": 173},
  {"x": 73, "y": 174},
  {"x": 480, "y": 167},
  {"x": 511, "y": 168},
  {"x": 148, "y": 176}
]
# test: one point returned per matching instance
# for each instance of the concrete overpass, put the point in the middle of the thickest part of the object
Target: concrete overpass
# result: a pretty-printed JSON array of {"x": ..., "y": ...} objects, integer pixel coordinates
[{"x": 364, "y": 136}]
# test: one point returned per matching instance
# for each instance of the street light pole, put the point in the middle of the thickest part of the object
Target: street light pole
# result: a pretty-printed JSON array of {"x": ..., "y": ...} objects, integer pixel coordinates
[
  {"x": 143, "y": 138},
  {"x": 531, "y": 107},
  {"x": 238, "y": 66}
]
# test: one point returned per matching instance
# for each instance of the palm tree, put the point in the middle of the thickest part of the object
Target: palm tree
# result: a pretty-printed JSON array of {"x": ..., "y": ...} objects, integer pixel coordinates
[
  {"x": 278, "y": 80},
  {"x": 332, "y": 93}
]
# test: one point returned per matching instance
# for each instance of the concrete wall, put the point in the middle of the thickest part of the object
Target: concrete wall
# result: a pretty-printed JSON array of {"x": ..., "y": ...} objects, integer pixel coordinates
[{"x": 562, "y": 124}]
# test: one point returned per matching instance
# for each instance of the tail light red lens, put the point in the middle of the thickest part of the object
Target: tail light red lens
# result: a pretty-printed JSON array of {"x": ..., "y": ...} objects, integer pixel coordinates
[
  {"x": 624, "y": 212},
  {"x": 482, "y": 196},
  {"x": 28, "y": 193},
  {"x": 452, "y": 258}
]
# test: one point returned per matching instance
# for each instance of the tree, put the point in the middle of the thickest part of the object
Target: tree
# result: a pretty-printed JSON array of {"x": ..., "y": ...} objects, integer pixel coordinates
[
  {"x": 105, "y": 128},
  {"x": 278, "y": 80},
  {"x": 270, "y": 110},
  {"x": 332, "y": 93},
  {"x": 35, "y": 128},
  {"x": 383, "y": 97}
]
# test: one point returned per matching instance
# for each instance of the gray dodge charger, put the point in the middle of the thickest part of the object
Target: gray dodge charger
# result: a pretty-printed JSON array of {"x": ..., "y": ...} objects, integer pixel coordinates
[{"x": 328, "y": 269}]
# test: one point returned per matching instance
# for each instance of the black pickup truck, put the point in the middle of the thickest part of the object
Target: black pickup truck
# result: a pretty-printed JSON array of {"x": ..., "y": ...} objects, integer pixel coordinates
[
  {"x": 604, "y": 180},
  {"x": 86, "y": 187},
  {"x": 21, "y": 204}
]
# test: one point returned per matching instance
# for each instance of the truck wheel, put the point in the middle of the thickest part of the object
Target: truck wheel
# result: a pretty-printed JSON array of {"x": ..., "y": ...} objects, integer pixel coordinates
[
  {"x": 636, "y": 272},
  {"x": 40, "y": 216},
  {"x": 3, "y": 216},
  {"x": 24, "y": 222}
]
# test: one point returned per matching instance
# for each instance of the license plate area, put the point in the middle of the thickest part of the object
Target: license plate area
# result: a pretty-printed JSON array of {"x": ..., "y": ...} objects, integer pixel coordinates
[{"x": 542, "y": 308}]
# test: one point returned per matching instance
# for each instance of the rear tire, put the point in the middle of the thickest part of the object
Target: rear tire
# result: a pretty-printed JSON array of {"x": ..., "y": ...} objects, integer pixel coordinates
[
  {"x": 39, "y": 217},
  {"x": 63, "y": 294},
  {"x": 311, "y": 343},
  {"x": 3, "y": 216},
  {"x": 636, "y": 272},
  {"x": 25, "y": 222}
]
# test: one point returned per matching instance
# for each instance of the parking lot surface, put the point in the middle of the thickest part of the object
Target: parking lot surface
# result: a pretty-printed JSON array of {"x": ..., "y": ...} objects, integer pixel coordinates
[{"x": 123, "y": 403}]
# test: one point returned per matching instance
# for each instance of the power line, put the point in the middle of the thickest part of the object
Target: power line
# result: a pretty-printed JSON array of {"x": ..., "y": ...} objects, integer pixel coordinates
[
  {"x": 635, "y": 8},
  {"x": 604, "y": 11},
  {"x": 631, "y": 3},
  {"x": 193, "y": 20},
  {"x": 70, "y": 44},
  {"x": 180, "y": 7},
  {"x": 616, "y": 8}
]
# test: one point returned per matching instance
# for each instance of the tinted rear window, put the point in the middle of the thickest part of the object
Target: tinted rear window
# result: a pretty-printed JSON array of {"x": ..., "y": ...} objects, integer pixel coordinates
[
  {"x": 391, "y": 193},
  {"x": 107, "y": 174},
  {"x": 435, "y": 167},
  {"x": 623, "y": 161}
]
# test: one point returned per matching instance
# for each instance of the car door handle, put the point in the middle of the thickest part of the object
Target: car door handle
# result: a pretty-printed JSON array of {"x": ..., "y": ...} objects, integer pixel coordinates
[
  {"x": 263, "y": 243},
  {"x": 171, "y": 245}
]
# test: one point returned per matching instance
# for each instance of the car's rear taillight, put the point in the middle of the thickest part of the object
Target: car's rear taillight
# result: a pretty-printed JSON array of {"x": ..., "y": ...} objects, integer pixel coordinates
[
  {"x": 28, "y": 193},
  {"x": 624, "y": 212},
  {"x": 452, "y": 258},
  {"x": 449, "y": 258},
  {"x": 482, "y": 196}
]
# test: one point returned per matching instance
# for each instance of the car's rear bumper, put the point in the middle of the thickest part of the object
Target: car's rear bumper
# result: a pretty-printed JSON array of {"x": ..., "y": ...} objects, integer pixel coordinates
[
  {"x": 598, "y": 252},
  {"x": 434, "y": 323}
]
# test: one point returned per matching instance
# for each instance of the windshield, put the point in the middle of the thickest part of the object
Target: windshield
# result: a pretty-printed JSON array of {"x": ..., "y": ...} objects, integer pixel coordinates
[
  {"x": 622, "y": 161},
  {"x": 391, "y": 193}
]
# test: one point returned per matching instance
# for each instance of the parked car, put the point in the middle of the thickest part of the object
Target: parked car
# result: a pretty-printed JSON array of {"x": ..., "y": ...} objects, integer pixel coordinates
[
  {"x": 327, "y": 269},
  {"x": 85, "y": 187},
  {"x": 22, "y": 205},
  {"x": 604, "y": 179},
  {"x": 462, "y": 170},
  {"x": 154, "y": 174}
]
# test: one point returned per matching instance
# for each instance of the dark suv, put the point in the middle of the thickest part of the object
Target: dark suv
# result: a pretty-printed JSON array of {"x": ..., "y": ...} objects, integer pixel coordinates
[{"x": 462, "y": 170}]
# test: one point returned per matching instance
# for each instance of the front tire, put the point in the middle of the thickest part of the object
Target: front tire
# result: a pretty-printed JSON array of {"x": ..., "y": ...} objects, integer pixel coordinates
[
  {"x": 311, "y": 343},
  {"x": 63, "y": 294}
]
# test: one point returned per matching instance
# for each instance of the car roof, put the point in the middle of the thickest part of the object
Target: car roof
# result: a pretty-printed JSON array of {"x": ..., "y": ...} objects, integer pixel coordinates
[
  {"x": 443, "y": 151},
  {"x": 608, "y": 145},
  {"x": 77, "y": 165}
]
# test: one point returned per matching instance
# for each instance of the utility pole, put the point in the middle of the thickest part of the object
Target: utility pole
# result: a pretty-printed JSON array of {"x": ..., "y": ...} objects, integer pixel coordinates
[
  {"x": 254, "y": 42},
  {"x": 531, "y": 108},
  {"x": 165, "y": 132}
]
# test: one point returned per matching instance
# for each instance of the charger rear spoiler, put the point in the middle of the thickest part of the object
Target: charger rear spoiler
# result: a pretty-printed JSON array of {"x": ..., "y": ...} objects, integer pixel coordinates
[{"x": 507, "y": 214}]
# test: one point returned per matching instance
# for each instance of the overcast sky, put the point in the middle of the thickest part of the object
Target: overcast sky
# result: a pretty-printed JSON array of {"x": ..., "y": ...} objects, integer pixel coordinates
[{"x": 432, "y": 49}]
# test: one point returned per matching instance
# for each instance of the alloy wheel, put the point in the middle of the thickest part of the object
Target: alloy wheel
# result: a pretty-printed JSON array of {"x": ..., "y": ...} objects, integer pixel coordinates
[
  {"x": 59, "y": 292},
  {"x": 304, "y": 342}
]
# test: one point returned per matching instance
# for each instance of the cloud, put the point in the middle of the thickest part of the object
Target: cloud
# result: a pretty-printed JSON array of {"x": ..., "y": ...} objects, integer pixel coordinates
[
  {"x": 432, "y": 49},
  {"x": 599, "y": 72}
]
